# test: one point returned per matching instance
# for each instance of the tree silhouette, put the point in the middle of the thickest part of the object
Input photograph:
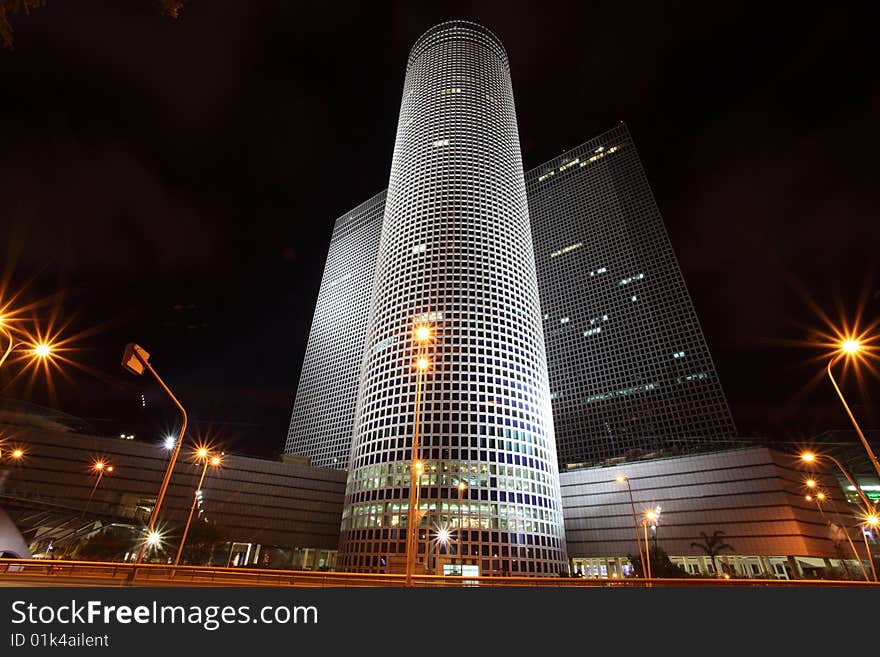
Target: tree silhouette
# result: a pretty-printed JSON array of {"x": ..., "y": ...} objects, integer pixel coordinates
[{"x": 713, "y": 545}]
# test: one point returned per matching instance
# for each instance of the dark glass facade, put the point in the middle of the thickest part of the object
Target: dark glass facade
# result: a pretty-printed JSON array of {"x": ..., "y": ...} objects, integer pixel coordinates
[{"x": 629, "y": 368}]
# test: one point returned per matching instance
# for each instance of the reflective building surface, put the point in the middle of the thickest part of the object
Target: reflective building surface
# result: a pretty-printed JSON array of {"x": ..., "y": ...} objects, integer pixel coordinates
[
  {"x": 456, "y": 256},
  {"x": 323, "y": 412},
  {"x": 630, "y": 371}
]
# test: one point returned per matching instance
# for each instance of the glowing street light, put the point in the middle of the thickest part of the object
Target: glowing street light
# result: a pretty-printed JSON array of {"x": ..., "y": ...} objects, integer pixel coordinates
[
  {"x": 650, "y": 516},
  {"x": 135, "y": 359},
  {"x": 422, "y": 364},
  {"x": 812, "y": 457},
  {"x": 870, "y": 512},
  {"x": 15, "y": 453},
  {"x": 100, "y": 467},
  {"x": 462, "y": 487},
  {"x": 871, "y": 520},
  {"x": 851, "y": 348},
  {"x": 154, "y": 539},
  {"x": 169, "y": 443},
  {"x": 621, "y": 479},
  {"x": 40, "y": 351},
  {"x": 203, "y": 455},
  {"x": 821, "y": 497},
  {"x": 443, "y": 536}
]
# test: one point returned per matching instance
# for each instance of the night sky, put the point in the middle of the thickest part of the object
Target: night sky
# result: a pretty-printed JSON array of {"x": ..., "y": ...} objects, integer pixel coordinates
[{"x": 175, "y": 183}]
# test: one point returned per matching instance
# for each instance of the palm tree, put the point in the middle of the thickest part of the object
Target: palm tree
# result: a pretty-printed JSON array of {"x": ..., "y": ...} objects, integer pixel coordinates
[{"x": 713, "y": 545}]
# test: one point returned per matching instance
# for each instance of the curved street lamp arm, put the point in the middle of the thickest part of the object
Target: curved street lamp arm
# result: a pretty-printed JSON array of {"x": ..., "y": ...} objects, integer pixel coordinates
[
  {"x": 867, "y": 447},
  {"x": 8, "y": 335},
  {"x": 859, "y": 491}
]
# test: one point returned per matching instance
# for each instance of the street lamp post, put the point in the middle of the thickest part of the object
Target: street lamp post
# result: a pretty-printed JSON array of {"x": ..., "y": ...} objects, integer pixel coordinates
[
  {"x": 851, "y": 347},
  {"x": 652, "y": 516},
  {"x": 4, "y": 329},
  {"x": 135, "y": 360},
  {"x": 16, "y": 453},
  {"x": 214, "y": 461},
  {"x": 820, "y": 497},
  {"x": 40, "y": 351},
  {"x": 871, "y": 517},
  {"x": 422, "y": 335},
  {"x": 462, "y": 487},
  {"x": 872, "y": 520},
  {"x": 100, "y": 467},
  {"x": 624, "y": 479},
  {"x": 810, "y": 457}
]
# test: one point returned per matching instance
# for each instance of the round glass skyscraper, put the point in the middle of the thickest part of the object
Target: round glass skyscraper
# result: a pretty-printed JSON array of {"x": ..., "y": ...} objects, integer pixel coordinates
[{"x": 456, "y": 256}]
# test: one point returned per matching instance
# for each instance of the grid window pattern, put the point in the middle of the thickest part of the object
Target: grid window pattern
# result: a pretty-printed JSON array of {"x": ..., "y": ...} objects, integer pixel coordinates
[
  {"x": 629, "y": 368},
  {"x": 456, "y": 253},
  {"x": 323, "y": 412}
]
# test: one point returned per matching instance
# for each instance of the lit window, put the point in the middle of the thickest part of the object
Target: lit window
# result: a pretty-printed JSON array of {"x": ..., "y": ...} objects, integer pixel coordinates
[
  {"x": 337, "y": 281},
  {"x": 428, "y": 317},
  {"x": 564, "y": 320},
  {"x": 440, "y": 142},
  {"x": 627, "y": 281},
  {"x": 420, "y": 248},
  {"x": 567, "y": 249}
]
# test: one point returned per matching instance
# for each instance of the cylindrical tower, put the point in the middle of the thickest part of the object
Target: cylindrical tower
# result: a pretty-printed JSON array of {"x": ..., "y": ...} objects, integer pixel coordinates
[{"x": 456, "y": 255}]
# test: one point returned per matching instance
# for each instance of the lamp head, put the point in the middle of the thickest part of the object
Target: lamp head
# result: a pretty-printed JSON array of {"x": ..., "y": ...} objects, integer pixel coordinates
[{"x": 850, "y": 346}]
